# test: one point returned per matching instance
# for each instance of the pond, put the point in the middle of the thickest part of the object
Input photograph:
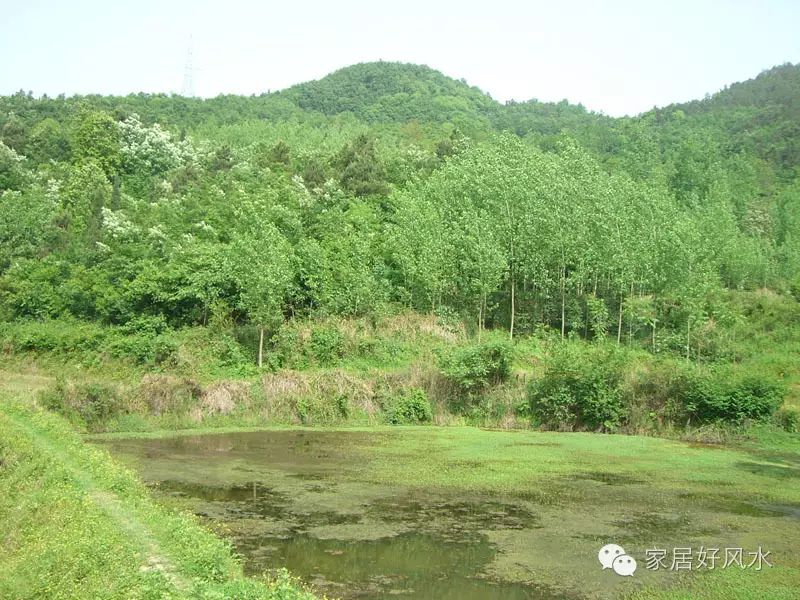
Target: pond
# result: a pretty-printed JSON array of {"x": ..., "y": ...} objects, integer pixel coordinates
[{"x": 309, "y": 501}]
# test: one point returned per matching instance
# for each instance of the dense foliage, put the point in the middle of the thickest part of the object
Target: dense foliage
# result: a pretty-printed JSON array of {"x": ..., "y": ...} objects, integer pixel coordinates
[
  {"x": 603, "y": 388},
  {"x": 384, "y": 186},
  {"x": 412, "y": 408}
]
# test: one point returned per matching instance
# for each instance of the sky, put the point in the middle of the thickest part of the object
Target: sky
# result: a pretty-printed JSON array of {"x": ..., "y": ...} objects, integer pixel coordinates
[{"x": 617, "y": 57}]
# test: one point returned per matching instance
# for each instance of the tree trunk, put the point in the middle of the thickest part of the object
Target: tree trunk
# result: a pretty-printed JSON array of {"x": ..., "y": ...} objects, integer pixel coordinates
[
  {"x": 654, "y": 335},
  {"x": 630, "y": 322},
  {"x": 619, "y": 322},
  {"x": 260, "y": 346},
  {"x": 586, "y": 322},
  {"x": 563, "y": 302},
  {"x": 513, "y": 290},
  {"x": 480, "y": 318},
  {"x": 115, "y": 193},
  {"x": 511, "y": 264},
  {"x": 688, "y": 334}
]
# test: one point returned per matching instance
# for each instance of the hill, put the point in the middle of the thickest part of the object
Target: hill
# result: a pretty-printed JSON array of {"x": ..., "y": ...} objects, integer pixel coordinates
[
  {"x": 760, "y": 115},
  {"x": 391, "y": 91}
]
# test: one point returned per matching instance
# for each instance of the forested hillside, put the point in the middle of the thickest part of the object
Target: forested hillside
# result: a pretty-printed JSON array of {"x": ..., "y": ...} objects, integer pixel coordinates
[
  {"x": 385, "y": 187},
  {"x": 761, "y": 116}
]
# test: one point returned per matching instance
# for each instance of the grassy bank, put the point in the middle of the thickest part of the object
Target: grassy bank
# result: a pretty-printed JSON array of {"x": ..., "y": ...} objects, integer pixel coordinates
[
  {"x": 364, "y": 372},
  {"x": 75, "y": 524}
]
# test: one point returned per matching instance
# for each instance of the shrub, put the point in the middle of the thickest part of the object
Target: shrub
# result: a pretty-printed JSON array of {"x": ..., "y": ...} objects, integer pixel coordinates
[
  {"x": 165, "y": 349},
  {"x": 93, "y": 404},
  {"x": 580, "y": 389},
  {"x": 476, "y": 367},
  {"x": 143, "y": 341},
  {"x": 136, "y": 346},
  {"x": 716, "y": 396},
  {"x": 788, "y": 420},
  {"x": 343, "y": 405},
  {"x": 753, "y": 398},
  {"x": 166, "y": 394},
  {"x": 147, "y": 324},
  {"x": 650, "y": 388},
  {"x": 412, "y": 408},
  {"x": 794, "y": 288},
  {"x": 54, "y": 398},
  {"x": 296, "y": 345},
  {"x": 58, "y": 336},
  {"x": 316, "y": 410},
  {"x": 326, "y": 345},
  {"x": 96, "y": 403}
]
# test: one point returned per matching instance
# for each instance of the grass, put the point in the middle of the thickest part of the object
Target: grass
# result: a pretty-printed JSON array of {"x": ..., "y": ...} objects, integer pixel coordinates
[
  {"x": 768, "y": 340},
  {"x": 75, "y": 524},
  {"x": 778, "y": 583},
  {"x": 517, "y": 462}
]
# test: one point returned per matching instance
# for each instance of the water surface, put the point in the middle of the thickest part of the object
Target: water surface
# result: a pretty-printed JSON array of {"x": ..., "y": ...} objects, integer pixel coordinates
[{"x": 306, "y": 500}]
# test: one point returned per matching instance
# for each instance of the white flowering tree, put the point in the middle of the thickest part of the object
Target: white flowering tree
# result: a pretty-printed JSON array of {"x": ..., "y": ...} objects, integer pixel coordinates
[
  {"x": 12, "y": 171},
  {"x": 151, "y": 150}
]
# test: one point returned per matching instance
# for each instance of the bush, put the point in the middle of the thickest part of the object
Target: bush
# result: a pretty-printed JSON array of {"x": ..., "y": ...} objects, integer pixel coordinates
[
  {"x": 165, "y": 394},
  {"x": 479, "y": 366},
  {"x": 138, "y": 347},
  {"x": 794, "y": 288},
  {"x": 327, "y": 345},
  {"x": 146, "y": 324},
  {"x": 580, "y": 389},
  {"x": 92, "y": 404},
  {"x": 788, "y": 420},
  {"x": 316, "y": 410},
  {"x": 603, "y": 388},
  {"x": 650, "y": 388},
  {"x": 413, "y": 408},
  {"x": 57, "y": 336},
  {"x": 752, "y": 398},
  {"x": 296, "y": 345},
  {"x": 717, "y": 396},
  {"x": 144, "y": 341}
]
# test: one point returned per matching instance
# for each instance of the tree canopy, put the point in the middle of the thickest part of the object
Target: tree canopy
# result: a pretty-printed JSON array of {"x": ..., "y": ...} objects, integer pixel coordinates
[{"x": 386, "y": 184}]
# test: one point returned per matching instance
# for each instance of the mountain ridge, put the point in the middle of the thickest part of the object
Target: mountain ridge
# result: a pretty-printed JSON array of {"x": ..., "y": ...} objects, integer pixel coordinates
[{"x": 778, "y": 79}]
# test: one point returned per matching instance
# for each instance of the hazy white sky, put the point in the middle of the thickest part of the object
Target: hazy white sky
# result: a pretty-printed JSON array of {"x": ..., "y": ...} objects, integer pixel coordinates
[{"x": 619, "y": 57}]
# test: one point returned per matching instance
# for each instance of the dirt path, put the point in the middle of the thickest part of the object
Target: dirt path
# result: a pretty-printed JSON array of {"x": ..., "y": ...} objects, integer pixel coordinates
[{"x": 113, "y": 506}]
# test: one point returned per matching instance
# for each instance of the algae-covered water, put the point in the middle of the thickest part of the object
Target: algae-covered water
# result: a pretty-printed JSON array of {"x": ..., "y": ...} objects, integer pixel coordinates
[{"x": 322, "y": 505}]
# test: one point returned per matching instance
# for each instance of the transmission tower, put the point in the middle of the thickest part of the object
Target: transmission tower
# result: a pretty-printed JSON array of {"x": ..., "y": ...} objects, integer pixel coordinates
[{"x": 188, "y": 74}]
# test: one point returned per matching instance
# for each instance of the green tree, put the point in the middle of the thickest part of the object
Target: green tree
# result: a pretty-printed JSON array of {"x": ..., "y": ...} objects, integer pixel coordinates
[
  {"x": 362, "y": 172},
  {"x": 84, "y": 194},
  {"x": 261, "y": 263},
  {"x": 97, "y": 139}
]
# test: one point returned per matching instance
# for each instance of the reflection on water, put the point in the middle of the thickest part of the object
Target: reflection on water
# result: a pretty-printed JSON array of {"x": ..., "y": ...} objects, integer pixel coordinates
[{"x": 414, "y": 564}]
